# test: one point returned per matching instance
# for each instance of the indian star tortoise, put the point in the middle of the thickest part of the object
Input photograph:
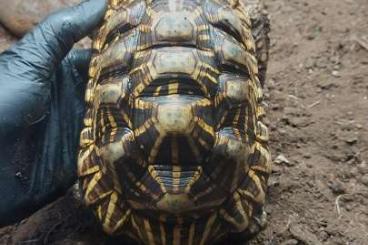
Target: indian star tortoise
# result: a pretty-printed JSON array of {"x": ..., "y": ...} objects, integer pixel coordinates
[{"x": 173, "y": 149}]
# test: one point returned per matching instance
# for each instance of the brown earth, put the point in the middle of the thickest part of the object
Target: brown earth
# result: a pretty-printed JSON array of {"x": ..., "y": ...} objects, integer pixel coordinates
[
  {"x": 18, "y": 16},
  {"x": 317, "y": 92}
]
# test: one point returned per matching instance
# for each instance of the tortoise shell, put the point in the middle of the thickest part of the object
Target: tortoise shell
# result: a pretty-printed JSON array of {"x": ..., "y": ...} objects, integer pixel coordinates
[{"x": 173, "y": 150}]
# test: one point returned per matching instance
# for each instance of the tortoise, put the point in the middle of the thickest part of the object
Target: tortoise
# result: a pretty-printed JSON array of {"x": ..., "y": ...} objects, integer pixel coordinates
[{"x": 173, "y": 149}]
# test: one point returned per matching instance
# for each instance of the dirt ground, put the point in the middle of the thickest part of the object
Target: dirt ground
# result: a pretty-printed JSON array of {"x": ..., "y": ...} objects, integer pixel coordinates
[{"x": 317, "y": 92}]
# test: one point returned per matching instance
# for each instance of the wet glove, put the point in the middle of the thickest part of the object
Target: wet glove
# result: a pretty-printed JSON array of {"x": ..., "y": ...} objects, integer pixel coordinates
[{"x": 42, "y": 87}]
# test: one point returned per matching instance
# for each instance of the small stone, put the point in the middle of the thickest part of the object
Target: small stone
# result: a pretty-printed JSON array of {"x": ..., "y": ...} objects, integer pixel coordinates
[
  {"x": 281, "y": 159},
  {"x": 306, "y": 155},
  {"x": 337, "y": 187},
  {"x": 335, "y": 73},
  {"x": 18, "y": 174},
  {"x": 351, "y": 140}
]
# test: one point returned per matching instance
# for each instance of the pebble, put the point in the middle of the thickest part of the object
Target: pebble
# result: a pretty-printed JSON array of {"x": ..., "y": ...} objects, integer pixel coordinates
[
  {"x": 307, "y": 155},
  {"x": 335, "y": 74}
]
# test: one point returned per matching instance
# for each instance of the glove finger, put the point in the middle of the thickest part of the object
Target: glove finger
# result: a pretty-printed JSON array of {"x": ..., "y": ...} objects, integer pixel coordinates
[
  {"x": 75, "y": 72},
  {"x": 46, "y": 46},
  {"x": 80, "y": 59}
]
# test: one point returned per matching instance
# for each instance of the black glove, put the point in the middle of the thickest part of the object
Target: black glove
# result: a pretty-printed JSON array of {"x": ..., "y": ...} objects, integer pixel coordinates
[{"x": 41, "y": 109}]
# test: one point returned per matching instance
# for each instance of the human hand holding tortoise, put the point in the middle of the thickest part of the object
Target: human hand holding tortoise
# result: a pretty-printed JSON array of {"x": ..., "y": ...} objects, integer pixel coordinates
[{"x": 42, "y": 87}]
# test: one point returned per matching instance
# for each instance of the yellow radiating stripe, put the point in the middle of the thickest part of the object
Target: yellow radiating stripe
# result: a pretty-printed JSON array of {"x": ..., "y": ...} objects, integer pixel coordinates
[
  {"x": 157, "y": 91},
  {"x": 126, "y": 119},
  {"x": 92, "y": 184},
  {"x": 195, "y": 177},
  {"x": 142, "y": 129},
  {"x": 237, "y": 116},
  {"x": 203, "y": 102},
  {"x": 203, "y": 37},
  {"x": 99, "y": 212},
  {"x": 202, "y": 27},
  {"x": 201, "y": 123},
  {"x": 122, "y": 220},
  {"x": 207, "y": 229},
  {"x": 209, "y": 67},
  {"x": 211, "y": 78},
  {"x": 176, "y": 173},
  {"x": 144, "y": 189},
  {"x": 240, "y": 208},
  {"x": 260, "y": 198},
  {"x": 144, "y": 28},
  {"x": 231, "y": 220},
  {"x": 154, "y": 175},
  {"x": 110, "y": 210},
  {"x": 149, "y": 233},
  {"x": 137, "y": 69},
  {"x": 86, "y": 141},
  {"x": 197, "y": 12},
  {"x": 196, "y": 77},
  {"x": 83, "y": 166},
  {"x": 173, "y": 87},
  {"x": 155, "y": 149}
]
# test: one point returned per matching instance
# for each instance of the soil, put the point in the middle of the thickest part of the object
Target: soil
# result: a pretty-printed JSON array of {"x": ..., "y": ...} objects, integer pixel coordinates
[
  {"x": 20, "y": 16},
  {"x": 317, "y": 92}
]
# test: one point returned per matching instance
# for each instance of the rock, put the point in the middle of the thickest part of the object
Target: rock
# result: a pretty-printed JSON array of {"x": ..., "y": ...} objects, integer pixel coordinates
[{"x": 19, "y": 16}]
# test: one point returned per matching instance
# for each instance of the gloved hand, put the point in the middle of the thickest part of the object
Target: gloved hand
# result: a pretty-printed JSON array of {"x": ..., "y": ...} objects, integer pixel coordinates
[{"x": 42, "y": 87}]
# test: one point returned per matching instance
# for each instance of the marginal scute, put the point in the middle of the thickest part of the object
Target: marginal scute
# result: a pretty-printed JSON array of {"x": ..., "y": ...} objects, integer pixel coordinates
[
  {"x": 109, "y": 93},
  {"x": 233, "y": 53},
  {"x": 114, "y": 151},
  {"x": 236, "y": 90}
]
